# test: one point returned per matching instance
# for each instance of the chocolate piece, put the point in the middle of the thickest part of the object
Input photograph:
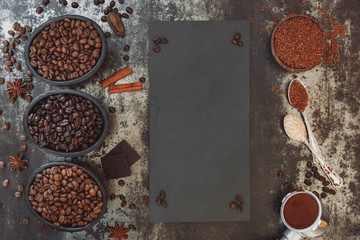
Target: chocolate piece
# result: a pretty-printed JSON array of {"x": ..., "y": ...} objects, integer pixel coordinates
[
  {"x": 124, "y": 147},
  {"x": 115, "y": 166}
]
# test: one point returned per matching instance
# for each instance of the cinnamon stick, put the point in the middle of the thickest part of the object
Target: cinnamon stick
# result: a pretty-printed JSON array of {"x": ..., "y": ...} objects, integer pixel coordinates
[
  {"x": 125, "y": 87},
  {"x": 116, "y": 76}
]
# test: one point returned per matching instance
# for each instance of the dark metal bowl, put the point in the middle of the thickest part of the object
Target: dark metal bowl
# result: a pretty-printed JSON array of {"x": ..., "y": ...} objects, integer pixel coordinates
[
  {"x": 70, "y": 92},
  {"x": 76, "y": 80},
  {"x": 48, "y": 223},
  {"x": 277, "y": 59}
]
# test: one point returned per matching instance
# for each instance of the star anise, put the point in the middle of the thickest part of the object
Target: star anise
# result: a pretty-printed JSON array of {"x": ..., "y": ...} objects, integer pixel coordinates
[
  {"x": 17, "y": 163},
  {"x": 118, "y": 233},
  {"x": 16, "y": 89}
]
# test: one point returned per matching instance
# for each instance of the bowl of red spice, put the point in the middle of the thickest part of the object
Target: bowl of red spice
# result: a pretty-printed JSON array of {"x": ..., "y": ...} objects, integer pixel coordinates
[{"x": 297, "y": 42}]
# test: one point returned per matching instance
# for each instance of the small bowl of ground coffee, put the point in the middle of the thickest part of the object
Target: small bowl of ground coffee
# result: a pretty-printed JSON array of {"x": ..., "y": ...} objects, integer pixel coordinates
[
  {"x": 65, "y": 50},
  {"x": 297, "y": 42}
]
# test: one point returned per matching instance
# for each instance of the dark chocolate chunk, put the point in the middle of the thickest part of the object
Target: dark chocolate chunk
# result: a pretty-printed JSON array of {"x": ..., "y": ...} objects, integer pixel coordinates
[
  {"x": 115, "y": 166},
  {"x": 124, "y": 147}
]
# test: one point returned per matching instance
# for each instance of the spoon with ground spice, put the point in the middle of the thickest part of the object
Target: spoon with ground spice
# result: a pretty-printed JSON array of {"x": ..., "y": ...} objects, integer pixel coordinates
[
  {"x": 295, "y": 129},
  {"x": 299, "y": 98}
]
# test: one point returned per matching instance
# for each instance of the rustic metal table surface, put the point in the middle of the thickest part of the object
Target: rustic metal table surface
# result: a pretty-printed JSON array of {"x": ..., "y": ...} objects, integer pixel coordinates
[{"x": 334, "y": 111}]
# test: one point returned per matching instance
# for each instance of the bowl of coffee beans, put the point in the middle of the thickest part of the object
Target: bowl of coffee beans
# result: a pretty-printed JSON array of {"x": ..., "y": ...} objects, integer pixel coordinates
[
  {"x": 66, "y": 123},
  {"x": 65, "y": 50},
  {"x": 65, "y": 196}
]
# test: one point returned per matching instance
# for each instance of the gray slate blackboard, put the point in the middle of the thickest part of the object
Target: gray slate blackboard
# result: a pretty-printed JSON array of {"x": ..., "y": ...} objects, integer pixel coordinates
[{"x": 199, "y": 121}]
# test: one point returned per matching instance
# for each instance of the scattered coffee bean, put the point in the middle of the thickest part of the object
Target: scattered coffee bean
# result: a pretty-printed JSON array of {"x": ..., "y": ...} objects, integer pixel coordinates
[
  {"x": 113, "y": 110},
  {"x": 63, "y": 2},
  {"x": 308, "y": 174},
  {"x": 240, "y": 43},
  {"x": 163, "y": 203},
  {"x": 5, "y": 182},
  {"x": 233, "y": 205},
  {"x": 126, "y": 48},
  {"x": 122, "y": 197},
  {"x": 239, "y": 200},
  {"x": 74, "y": 5},
  {"x": 280, "y": 174},
  {"x": 21, "y": 188},
  {"x": 145, "y": 199},
  {"x": 5, "y": 49},
  {"x": 235, "y": 42},
  {"x": 323, "y": 195},
  {"x": 316, "y": 194},
  {"x": 132, "y": 227},
  {"x": 164, "y": 40},
  {"x": 17, "y": 66},
  {"x": 5, "y": 126},
  {"x": 132, "y": 206},
  {"x": 116, "y": 24},
  {"x": 2, "y": 164},
  {"x": 11, "y": 33},
  {"x": 126, "y": 58},
  {"x": 45, "y": 2},
  {"x": 309, "y": 164},
  {"x": 22, "y": 138},
  {"x": 326, "y": 189},
  {"x": 314, "y": 169},
  {"x": 156, "y": 48},
  {"x": 322, "y": 178},
  {"x": 107, "y": 34},
  {"x": 6, "y": 43},
  {"x": 308, "y": 182},
  {"x": 239, "y": 208},
  {"x": 96, "y": 2},
  {"x": 112, "y": 196},
  {"x": 18, "y": 194},
  {"x": 316, "y": 175},
  {"x": 66, "y": 196},
  {"x": 112, "y": 4},
  {"x": 237, "y": 36},
  {"x": 2, "y": 80},
  {"x": 29, "y": 87},
  {"x": 129, "y": 10},
  {"x": 39, "y": 10},
  {"x": 142, "y": 79},
  {"x": 287, "y": 185},
  {"x": 101, "y": 1},
  {"x": 325, "y": 183},
  {"x": 23, "y": 148},
  {"x": 104, "y": 19},
  {"x": 125, "y": 15},
  {"x": 121, "y": 1},
  {"x": 157, "y": 40},
  {"x": 158, "y": 201},
  {"x": 162, "y": 195},
  {"x": 332, "y": 191},
  {"x": 11, "y": 53},
  {"x": 123, "y": 203},
  {"x": 26, "y": 221},
  {"x": 28, "y": 29},
  {"x": 121, "y": 183},
  {"x": 115, "y": 10},
  {"x": 29, "y": 74}
]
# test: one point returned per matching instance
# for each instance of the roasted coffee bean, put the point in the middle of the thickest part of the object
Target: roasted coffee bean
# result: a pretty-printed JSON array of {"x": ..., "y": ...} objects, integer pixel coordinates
[
  {"x": 126, "y": 48},
  {"x": 115, "y": 10},
  {"x": 2, "y": 164},
  {"x": 142, "y": 79},
  {"x": 280, "y": 174},
  {"x": 145, "y": 199},
  {"x": 116, "y": 24},
  {"x": 323, "y": 195},
  {"x": 316, "y": 194},
  {"x": 122, "y": 197},
  {"x": 163, "y": 204},
  {"x": 157, "y": 40},
  {"x": 240, "y": 43},
  {"x": 45, "y": 2},
  {"x": 316, "y": 175},
  {"x": 5, "y": 49},
  {"x": 308, "y": 182},
  {"x": 164, "y": 40},
  {"x": 121, "y": 1},
  {"x": 23, "y": 148},
  {"x": 29, "y": 74},
  {"x": 17, "y": 66},
  {"x": 322, "y": 178},
  {"x": 28, "y": 98},
  {"x": 18, "y": 194},
  {"x": 308, "y": 174},
  {"x": 125, "y": 15},
  {"x": 104, "y": 19},
  {"x": 326, "y": 189},
  {"x": 126, "y": 58},
  {"x": 132, "y": 227},
  {"x": 22, "y": 138},
  {"x": 132, "y": 206},
  {"x": 39, "y": 10},
  {"x": 96, "y": 2},
  {"x": 237, "y": 36},
  {"x": 16, "y": 26},
  {"x": 22, "y": 30},
  {"x": 158, "y": 201},
  {"x": 129, "y": 10},
  {"x": 123, "y": 203},
  {"x": 314, "y": 169},
  {"x": 11, "y": 33},
  {"x": 11, "y": 52},
  {"x": 28, "y": 28},
  {"x": 162, "y": 195},
  {"x": 21, "y": 188},
  {"x": 107, "y": 34},
  {"x": 112, "y": 4},
  {"x": 121, "y": 183},
  {"x": 325, "y": 183},
  {"x": 6, "y": 43},
  {"x": 26, "y": 221},
  {"x": 101, "y": 1},
  {"x": 287, "y": 185},
  {"x": 235, "y": 42},
  {"x": 63, "y": 2},
  {"x": 112, "y": 196},
  {"x": 309, "y": 164},
  {"x": 29, "y": 86},
  {"x": 332, "y": 191},
  {"x": 233, "y": 205},
  {"x": 5, "y": 182},
  {"x": 11, "y": 45},
  {"x": 5, "y": 126},
  {"x": 239, "y": 200},
  {"x": 239, "y": 209},
  {"x": 74, "y": 5},
  {"x": 156, "y": 48}
]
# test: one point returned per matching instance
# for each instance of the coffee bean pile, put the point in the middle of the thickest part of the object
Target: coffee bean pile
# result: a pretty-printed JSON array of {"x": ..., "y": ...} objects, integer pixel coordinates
[
  {"x": 157, "y": 41},
  {"x": 237, "y": 204},
  {"x": 65, "y": 123},
  {"x": 314, "y": 172},
  {"x": 66, "y": 196},
  {"x": 236, "y": 40},
  {"x": 66, "y": 49},
  {"x": 161, "y": 199}
]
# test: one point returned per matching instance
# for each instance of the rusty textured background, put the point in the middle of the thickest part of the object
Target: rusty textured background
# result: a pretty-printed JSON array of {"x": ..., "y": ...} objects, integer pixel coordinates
[{"x": 271, "y": 150}]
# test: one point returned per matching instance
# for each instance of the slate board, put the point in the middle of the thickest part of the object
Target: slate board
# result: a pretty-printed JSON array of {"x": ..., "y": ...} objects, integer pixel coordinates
[{"x": 199, "y": 121}]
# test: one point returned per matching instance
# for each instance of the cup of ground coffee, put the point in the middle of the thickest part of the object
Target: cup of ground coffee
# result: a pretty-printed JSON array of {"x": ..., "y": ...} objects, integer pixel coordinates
[{"x": 303, "y": 215}]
